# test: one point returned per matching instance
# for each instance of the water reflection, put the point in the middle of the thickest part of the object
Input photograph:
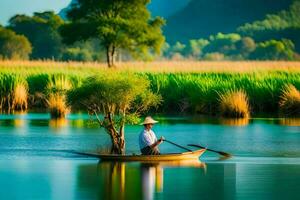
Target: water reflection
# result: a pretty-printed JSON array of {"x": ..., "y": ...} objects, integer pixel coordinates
[
  {"x": 119, "y": 180},
  {"x": 85, "y": 179},
  {"x": 234, "y": 122},
  {"x": 290, "y": 121},
  {"x": 59, "y": 126},
  {"x": 151, "y": 180},
  {"x": 78, "y": 123},
  {"x": 58, "y": 123},
  {"x": 20, "y": 121}
]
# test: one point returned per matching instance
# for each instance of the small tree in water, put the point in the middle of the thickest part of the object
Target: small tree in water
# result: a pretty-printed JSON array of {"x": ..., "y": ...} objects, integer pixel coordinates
[{"x": 115, "y": 99}]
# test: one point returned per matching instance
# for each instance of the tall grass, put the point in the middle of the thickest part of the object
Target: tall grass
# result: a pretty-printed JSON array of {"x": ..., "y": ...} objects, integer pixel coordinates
[
  {"x": 290, "y": 101},
  {"x": 20, "y": 97},
  {"x": 201, "y": 90},
  {"x": 153, "y": 67},
  {"x": 13, "y": 92},
  {"x": 41, "y": 85},
  {"x": 234, "y": 104},
  {"x": 57, "y": 106},
  {"x": 58, "y": 83},
  {"x": 186, "y": 87}
]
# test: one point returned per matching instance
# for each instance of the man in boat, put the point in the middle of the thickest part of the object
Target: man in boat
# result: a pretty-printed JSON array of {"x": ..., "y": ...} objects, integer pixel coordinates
[{"x": 147, "y": 139}]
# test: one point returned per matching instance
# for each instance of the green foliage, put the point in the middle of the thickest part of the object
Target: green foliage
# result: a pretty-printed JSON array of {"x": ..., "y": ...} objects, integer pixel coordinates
[
  {"x": 234, "y": 47},
  {"x": 122, "y": 24},
  {"x": 197, "y": 46},
  {"x": 37, "y": 83},
  {"x": 284, "y": 19},
  {"x": 274, "y": 50},
  {"x": 223, "y": 43},
  {"x": 284, "y": 24},
  {"x": 118, "y": 94},
  {"x": 246, "y": 46},
  {"x": 13, "y": 46},
  {"x": 217, "y": 47},
  {"x": 76, "y": 54},
  {"x": 176, "y": 51},
  {"x": 42, "y": 31}
]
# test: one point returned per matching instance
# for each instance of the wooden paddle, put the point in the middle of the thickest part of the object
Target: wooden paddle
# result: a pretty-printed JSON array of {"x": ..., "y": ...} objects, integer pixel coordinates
[
  {"x": 177, "y": 145},
  {"x": 219, "y": 152}
]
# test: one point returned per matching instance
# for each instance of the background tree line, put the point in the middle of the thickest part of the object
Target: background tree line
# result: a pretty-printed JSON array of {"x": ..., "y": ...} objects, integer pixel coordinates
[
  {"x": 274, "y": 38},
  {"x": 39, "y": 37}
]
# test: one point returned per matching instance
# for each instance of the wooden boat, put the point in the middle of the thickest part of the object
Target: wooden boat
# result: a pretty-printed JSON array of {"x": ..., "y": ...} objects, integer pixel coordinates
[{"x": 193, "y": 155}]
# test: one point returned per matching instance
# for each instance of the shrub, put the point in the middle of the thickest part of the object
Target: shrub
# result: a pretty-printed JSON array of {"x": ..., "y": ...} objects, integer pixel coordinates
[
  {"x": 20, "y": 97},
  {"x": 13, "y": 92},
  {"x": 234, "y": 104},
  {"x": 57, "y": 106},
  {"x": 289, "y": 103}
]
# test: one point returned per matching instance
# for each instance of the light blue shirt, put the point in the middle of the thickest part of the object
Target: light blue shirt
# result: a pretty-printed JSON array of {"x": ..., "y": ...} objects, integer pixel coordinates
[{"x": 147, "y": 138}]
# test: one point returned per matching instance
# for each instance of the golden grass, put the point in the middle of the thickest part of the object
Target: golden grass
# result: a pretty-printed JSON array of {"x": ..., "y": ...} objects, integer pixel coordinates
[
  {"x": 158, "y": 66},
  {"x": 234, "y": 105},
  {"x": 57, "y": 106},
  {"x": 20, "y": 97},
  {"x": 289, "y": 103}
]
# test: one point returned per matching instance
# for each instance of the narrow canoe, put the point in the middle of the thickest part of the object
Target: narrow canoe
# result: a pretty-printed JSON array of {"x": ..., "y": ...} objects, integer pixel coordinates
[{"x": 194, "y": 155}]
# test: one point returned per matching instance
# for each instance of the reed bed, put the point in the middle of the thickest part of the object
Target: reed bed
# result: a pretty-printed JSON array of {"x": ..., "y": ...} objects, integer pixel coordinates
[
  {"x": 20, "y": 97},
  {"x": 57, "y": 106},
  {"x": 290, "y": 101},
  {"x": 13, "y": 92},
  {"x": 234, "y": 104},
  {"x": 186, "y": 87},
  {"x": 199, "y": 92}
]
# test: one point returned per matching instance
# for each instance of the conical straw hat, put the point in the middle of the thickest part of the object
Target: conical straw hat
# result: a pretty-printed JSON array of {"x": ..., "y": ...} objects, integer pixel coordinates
[{"x": 149, "y": 120}]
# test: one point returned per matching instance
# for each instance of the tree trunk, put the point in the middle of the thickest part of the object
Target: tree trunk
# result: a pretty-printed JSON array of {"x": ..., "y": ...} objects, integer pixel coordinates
[
  {"x": 110, "y": 56},
  {"x": 117, "y": 138}
]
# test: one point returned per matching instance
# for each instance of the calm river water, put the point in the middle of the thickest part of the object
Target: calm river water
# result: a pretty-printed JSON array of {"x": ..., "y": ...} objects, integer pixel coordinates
[{"x": 36, "y": 162}]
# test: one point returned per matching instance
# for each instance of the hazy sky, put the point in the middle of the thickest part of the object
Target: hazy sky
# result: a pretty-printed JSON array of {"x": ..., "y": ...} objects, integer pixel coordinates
[{"x": 9, "y": 8}]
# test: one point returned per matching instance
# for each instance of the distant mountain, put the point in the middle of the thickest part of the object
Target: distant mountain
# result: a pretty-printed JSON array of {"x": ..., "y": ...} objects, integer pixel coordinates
[
  {"x": 201, "y": 18},
  {"x": 167, "y": 8},
  {"x": 63, "y": 12}
]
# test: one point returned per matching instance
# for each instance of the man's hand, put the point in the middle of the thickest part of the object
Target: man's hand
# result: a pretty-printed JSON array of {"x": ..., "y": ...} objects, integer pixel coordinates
[
  {"x": 161, "y": 139},
  {"x": 158, "y": 142}
]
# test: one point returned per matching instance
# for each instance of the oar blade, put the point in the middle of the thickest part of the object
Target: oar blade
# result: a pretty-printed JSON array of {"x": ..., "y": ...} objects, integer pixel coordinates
[
  {"x": 219, "y": 152},
  {"x": 225, "y": 154}
]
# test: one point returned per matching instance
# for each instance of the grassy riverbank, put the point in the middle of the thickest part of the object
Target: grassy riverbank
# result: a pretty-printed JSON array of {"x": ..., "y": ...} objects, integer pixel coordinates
[{"x": 186, "y": 87}]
